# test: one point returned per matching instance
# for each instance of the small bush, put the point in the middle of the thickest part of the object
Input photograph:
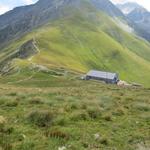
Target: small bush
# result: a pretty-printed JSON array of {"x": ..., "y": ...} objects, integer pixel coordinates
[
  {"x": 94, "y": 112},
  {"x": 2, "y": 101},
  {"x": 107, "y": 117},
  {"x": 129, "y": 98},
  {"x": 60, "y": 121},
  {"x": 26, "y": 145},
  {"x": 41, "y": 118},
  {"x": 81, "y": 115},
  {"x": 117, "y": 98},
  {"x": 5, "y": 142},
  {"x": 74, "y": 106},
  {"x": 12, "y": 103},
  {"x": 36, "y": 100},
  {"x": 142, "y": 106},
  {"x": 12, "y": 94},
  {"x": 3, "y": 121},
  {"x": 69, "y": 107},
  {"x": 5, "y": 145},
  {"x": 119, "y": 112},
  {"x": 85, "y": 144},
  {"x": 8, "y": 130},
  {"x": 83, "y": 106},
  {"x": 104, "y": 141}
]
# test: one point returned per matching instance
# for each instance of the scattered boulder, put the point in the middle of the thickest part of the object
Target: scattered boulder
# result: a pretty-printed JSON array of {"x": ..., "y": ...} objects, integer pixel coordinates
[
  {"x": 2, "y": 120},
  {"x": 39, "y": 68},
  {"x": 123, "y": 83},
  {"x": 96, "y": 136},
  {"x": 62, "y": 148},
  {"x": 141, "y": 146}
]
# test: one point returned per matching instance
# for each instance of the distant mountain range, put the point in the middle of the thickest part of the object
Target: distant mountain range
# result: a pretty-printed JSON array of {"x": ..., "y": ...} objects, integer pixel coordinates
[
  {"x": 128, "y": 7},
  {"x": 139, "y": 16},
  {"x": 74, "y": 34}
]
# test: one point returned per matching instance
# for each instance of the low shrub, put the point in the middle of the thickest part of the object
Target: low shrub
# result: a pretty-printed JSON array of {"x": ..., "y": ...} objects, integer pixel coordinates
[
  {"x": 26, "y": 145},
  {"x": 74, "y": 106},
  {"x": 71, "y": 107},
  {"x": 104, "y": 141},
  {"x": 129, "y": 98},
  {"x": 42, "y": 118},
  {"x": 107, "y": 117},
  {"x": 12, "y": 94},
  {"x": 5, "y": 144},
  {"x": 12, "y": 103},
  {"x": 80, "y": 115},
  {"x": 119, "y": 112},
  {"x": 2, "y": 101},
  {"x": 67, "y": 108},
  {"x": 94, "y": 112},
  {"x": 83, "y": 106},
  {"x": 60, "y": 121},
  {"x": 3, "y": 122},
  {"x": 36, "y": 100},
  {"x": 142, "y": 106}
]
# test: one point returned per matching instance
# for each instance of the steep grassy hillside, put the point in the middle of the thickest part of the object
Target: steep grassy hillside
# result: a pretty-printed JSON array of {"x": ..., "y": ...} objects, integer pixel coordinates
[
  {"x": 47, "y": 112},
  {"x": 43, "y": 103},
  {"x": 81, "y": 42}
]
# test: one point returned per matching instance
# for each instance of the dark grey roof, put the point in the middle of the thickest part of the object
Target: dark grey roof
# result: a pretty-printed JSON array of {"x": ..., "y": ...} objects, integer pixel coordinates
[{"x": 101, "y": 74}]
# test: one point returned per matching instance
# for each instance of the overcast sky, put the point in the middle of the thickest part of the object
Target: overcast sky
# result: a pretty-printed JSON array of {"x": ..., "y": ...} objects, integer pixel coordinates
[{"x": 6, "y": 5}]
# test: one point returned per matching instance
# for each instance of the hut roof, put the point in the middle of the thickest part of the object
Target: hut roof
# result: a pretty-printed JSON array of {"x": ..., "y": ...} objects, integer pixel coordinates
[{"x": 101, "y": 74}]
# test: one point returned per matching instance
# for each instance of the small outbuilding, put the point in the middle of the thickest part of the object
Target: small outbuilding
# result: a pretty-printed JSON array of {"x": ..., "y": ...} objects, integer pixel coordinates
[{"x": 107, "y": 77}]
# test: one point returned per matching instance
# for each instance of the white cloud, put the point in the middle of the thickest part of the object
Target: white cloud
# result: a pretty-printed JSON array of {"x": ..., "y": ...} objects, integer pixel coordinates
[
  {"x": 28, "y": 2},
  {"x": 3, "y": 9}
]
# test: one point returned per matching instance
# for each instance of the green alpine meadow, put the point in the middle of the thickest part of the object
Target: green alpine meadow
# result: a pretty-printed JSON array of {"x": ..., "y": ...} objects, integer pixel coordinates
[{"x": 75, "y": 75}]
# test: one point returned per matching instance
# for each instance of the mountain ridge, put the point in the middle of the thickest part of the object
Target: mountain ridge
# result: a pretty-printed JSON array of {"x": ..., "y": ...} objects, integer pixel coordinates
[
  {"x": 84, "y": 38},
  {"x": 23, "y": 19},
  {"x": 139, "y": 16},
  {"x": 128, "y": 7}
]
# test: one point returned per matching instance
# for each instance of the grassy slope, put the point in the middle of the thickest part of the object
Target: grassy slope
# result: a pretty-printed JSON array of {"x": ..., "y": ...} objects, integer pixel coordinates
[
  {"x": 45, "y": 111},
  {"x": 77, "y": 111},
  {"x": 81, "y": 43}
]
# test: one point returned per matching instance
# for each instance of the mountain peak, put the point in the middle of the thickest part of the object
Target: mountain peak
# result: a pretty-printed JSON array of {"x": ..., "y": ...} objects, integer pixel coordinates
[{"x": 128, "y": 7}]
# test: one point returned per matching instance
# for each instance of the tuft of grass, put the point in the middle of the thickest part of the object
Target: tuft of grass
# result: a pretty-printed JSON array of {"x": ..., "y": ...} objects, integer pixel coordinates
[
  {"x": 41, "y": 118},
  {"x": 12, "y": 103},
  {"x": 107, "y": 117},
  {"x": 3, "y": 122},
  {"x": 36, "y": 100},
  {"x": 142, "y": 106},
  {"x": 94, "y": 112},
  {"x": 79, "y": 115},
  {"x": 12, "y": 94},
  {"x": 61, "y": 121},
  {"x": 119, "y": 111},
  {"x": 104, "y": 141},
  {"x": 26, "y": 145}
]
